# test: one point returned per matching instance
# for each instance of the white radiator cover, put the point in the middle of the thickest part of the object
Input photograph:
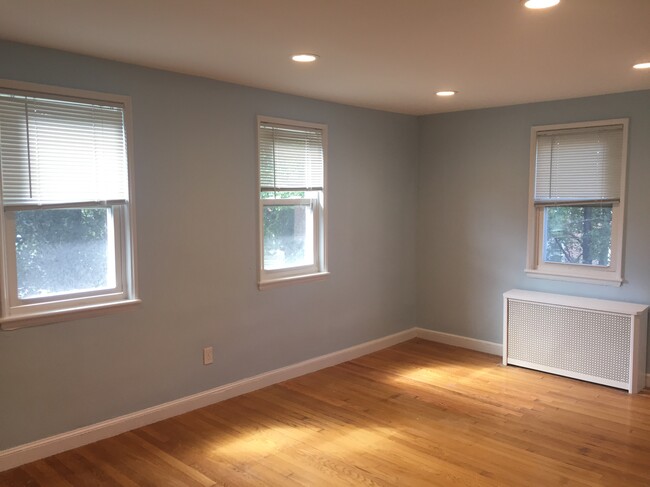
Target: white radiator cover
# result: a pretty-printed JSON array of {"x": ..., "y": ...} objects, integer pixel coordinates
[{"x": 589, "y": 339}]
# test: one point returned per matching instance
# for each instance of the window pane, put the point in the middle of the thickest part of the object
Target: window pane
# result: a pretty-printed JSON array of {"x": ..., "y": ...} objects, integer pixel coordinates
[
  {"x": 288, "y": 236},
  {"x": 578, "y": 234},
  {"x": 64, "y": 251}
]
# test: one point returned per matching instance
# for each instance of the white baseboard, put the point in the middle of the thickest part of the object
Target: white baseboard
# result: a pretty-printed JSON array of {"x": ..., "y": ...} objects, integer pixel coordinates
[
  {"x": 460, "y": 341},
  {"x": 52, "y": 445},
  {"x": 472, "y": 344}
]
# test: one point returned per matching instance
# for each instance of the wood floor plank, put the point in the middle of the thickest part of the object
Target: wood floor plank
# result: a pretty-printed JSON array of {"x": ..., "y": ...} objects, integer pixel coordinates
[
  {"x": 416, "y": 414},
  {"x": 44, "y": 474}
]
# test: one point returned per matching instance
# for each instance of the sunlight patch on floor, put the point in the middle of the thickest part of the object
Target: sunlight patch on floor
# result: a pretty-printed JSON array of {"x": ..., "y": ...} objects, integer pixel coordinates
[
  {"x": 440, "y": 374},
  {"x": 271, "y": 440}
]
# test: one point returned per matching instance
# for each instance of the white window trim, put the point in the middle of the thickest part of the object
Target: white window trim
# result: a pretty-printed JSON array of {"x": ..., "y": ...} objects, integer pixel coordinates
[
  {"x": 13, "y": 314},
  {"x": 318, "y": 271},
  {"x": 611, "y": 275}
]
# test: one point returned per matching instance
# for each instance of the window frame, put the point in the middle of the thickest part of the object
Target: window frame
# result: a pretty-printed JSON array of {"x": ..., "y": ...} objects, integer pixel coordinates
[
  {"x": 611, "y": 275},
  {"x": 289, "y": 275},
  {"x": 18, "y": 313}
]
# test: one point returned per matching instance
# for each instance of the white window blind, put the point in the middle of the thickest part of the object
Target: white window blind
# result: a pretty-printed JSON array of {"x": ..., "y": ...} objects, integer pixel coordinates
[
  {"x": 291, "y": 158},
  {"x": 579, "y": 165},
  {"x": 60, "y": 152}
]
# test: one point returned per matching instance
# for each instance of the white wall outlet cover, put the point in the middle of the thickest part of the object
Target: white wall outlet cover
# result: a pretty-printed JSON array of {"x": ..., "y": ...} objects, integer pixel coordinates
[{"x": 208, "y": 355}]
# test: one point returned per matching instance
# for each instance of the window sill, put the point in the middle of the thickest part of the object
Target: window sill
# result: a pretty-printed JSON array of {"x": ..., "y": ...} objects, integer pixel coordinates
[
  {"x": 55, "y": 316},
  {"x": 595, "y": 279},
  {"x": 285, "y": 281}
]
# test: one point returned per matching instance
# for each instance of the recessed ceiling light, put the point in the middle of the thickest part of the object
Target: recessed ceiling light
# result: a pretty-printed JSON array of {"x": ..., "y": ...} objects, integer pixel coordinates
[
  {"x": 304, "y": 58},
  {"x": 642, "y": 66},
  {"x": 446, "y": 93},
  {"x": 536, "y": 4}
]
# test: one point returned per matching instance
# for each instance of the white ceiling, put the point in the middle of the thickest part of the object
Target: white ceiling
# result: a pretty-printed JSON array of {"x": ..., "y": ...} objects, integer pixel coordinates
[{"x": 385, "y": 54}]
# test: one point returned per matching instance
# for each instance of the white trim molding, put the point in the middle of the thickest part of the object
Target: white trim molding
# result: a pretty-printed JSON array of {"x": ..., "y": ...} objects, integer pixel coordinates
[
  {"x": 52, "y": 445},
  {"x": 536, "y": 265},
  {"x": 460, "y": 341},
  {"x": 314, "y": 199},
  {"x": 119, "y": 205}
]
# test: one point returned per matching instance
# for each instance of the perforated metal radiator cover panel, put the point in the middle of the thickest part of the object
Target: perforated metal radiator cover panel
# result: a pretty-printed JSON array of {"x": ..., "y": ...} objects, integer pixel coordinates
[{"x": 576, "y": 340}]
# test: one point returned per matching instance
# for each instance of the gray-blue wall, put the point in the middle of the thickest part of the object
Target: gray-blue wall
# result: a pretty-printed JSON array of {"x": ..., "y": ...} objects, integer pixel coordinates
[
  {"x": 473, "y": 210},
  {"x": 195, "y": 162},
  {"x": 458, "y": 182}
]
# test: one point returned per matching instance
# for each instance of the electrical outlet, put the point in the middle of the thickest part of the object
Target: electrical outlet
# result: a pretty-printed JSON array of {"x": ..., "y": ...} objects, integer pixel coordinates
[{"x": 208, "y": 355}]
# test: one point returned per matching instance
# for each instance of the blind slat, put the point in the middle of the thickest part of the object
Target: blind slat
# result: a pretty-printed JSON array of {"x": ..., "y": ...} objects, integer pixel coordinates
[
  {"x": 56, "y": 151},
  {"x": 291, "y": 158},
  {"x": 579, "y": 164}
]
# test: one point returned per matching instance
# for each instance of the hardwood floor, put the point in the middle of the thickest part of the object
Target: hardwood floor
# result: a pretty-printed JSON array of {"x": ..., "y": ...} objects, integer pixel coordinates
[{"x": 418, "y": 413}]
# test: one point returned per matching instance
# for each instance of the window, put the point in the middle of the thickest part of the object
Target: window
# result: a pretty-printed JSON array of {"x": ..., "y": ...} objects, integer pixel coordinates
[
  {"x": 577, "y": 195},
  {"x": 66, "y": 220},
  {"x": 292, "y": 159}
]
